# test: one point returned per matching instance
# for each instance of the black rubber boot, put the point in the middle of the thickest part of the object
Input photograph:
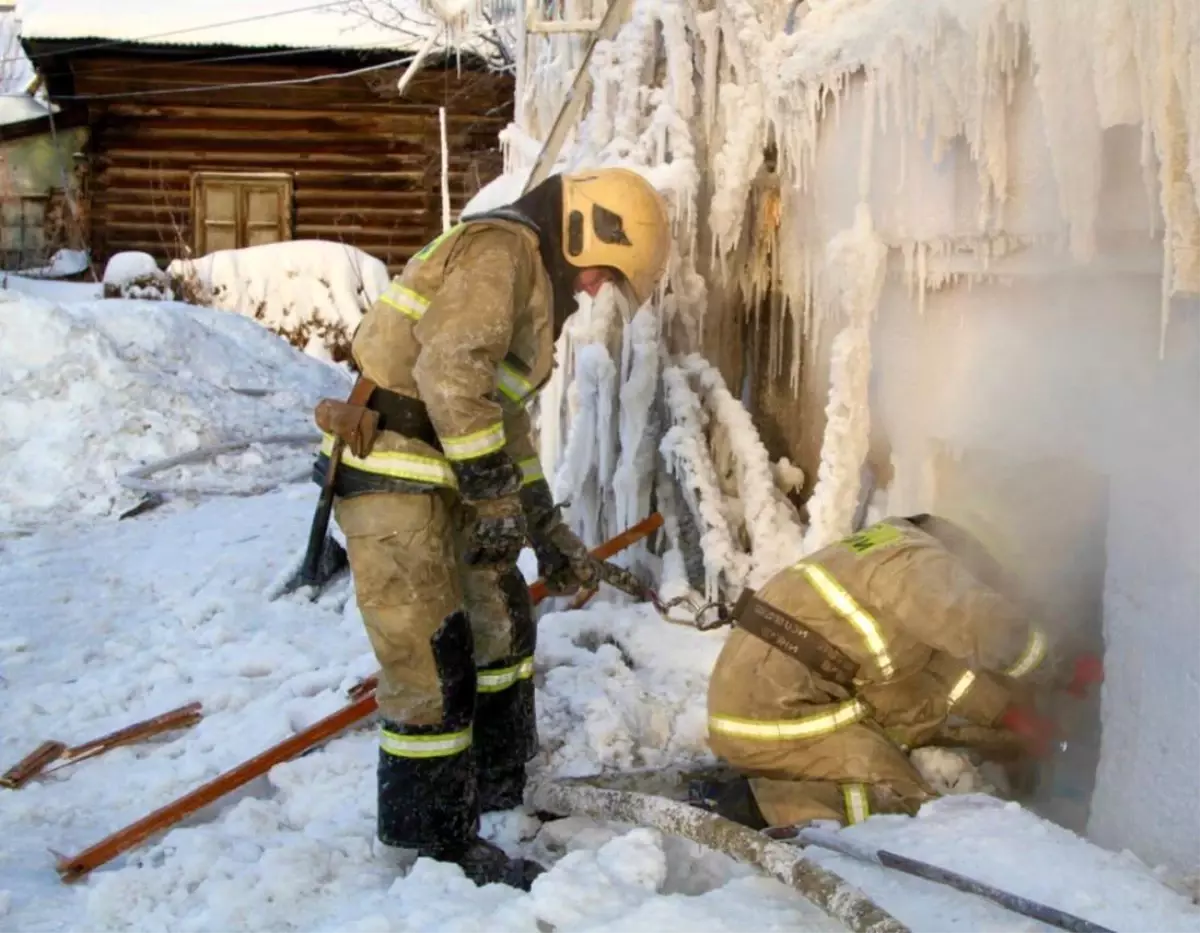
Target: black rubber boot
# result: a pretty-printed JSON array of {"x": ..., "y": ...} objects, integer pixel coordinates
[
  {"x": 485, "y": 863},
  {"x": 427, "y": 804},
  {"x": 731, "y": 799}
]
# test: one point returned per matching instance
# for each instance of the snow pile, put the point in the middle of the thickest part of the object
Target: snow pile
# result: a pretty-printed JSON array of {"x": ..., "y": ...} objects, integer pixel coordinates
[
  {"x": 397, "y": 25},
  {"x": 1006, "y": 846},
  {"x": 64, "y": 263},
  {"x": 136, "y": 275},
  {"x": 91, "y": 390},
  {"x": 622, "y": 690},
  {"x": 312, "y": 292}
]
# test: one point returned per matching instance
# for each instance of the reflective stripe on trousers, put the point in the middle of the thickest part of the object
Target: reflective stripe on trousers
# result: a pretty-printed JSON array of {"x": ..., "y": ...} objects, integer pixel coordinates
[
  {"x": 439, "y": 745},
  {"x": 493, "y": 680},
  {"x": 858, "y": 807},
  {"x": 807, "y": 727},
  {"x": 445, "y": 744},
  {"x": 840, "y": 601}
]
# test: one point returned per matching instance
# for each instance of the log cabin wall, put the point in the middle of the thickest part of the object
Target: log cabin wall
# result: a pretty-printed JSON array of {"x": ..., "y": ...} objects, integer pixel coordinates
[{"x": 345, "y": 159}]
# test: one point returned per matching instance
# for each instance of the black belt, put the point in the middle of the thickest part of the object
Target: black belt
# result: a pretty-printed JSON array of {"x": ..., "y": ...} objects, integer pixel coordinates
[
  {"x": 403, "y": 415},
  {"x": 794, "y": 638}
]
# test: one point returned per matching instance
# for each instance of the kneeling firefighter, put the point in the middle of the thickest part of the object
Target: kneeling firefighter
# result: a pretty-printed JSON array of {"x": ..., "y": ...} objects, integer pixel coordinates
[
  {"x": 863, "y": 651},
  {"x": 439, "y": 487}
]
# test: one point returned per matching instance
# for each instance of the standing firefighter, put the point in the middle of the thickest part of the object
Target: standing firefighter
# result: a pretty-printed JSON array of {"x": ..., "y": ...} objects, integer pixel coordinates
[
  {"x": 439, "y": 487},
  {"x": 861, "y": 652}
]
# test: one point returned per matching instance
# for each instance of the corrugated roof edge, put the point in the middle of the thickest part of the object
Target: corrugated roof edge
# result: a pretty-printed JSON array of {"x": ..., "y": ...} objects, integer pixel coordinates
[{"x": 484, "y": 53}]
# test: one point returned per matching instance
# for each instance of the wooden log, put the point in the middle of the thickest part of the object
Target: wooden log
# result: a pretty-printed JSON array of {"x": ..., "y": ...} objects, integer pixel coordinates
[{"x": 396, "y": 116}]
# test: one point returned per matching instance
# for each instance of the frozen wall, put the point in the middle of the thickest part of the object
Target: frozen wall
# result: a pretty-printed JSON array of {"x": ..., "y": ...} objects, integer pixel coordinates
[
  {"x": 1052, "y": 393},
  {"x": 1027, "y": 398}
]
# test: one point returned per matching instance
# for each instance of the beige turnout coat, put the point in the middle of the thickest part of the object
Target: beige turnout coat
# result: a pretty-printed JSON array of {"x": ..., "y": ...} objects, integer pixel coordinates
[
  {"x": 467, "y": 329},
  {"x": 930, "y": 642}
]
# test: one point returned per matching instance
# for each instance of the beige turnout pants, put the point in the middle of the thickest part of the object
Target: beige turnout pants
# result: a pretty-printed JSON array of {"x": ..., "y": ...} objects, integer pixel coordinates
[
  {"x": 844, "y": 776},
  {"x": 408, "y": 579}
]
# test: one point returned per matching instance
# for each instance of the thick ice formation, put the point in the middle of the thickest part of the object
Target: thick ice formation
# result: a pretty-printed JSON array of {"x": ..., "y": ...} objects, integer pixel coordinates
[{"x": 724, "y": 108}]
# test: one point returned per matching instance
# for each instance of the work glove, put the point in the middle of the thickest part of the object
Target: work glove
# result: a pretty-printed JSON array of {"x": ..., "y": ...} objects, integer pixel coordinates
[
  {"x": 563, "y": 560},
  {"x": 496, "y": 526},
  {"x": 1036, "y": 732},
  {"x": 1088, "y": 672}
]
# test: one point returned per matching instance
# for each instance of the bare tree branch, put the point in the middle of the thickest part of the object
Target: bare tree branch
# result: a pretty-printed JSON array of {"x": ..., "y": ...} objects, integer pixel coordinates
[{"x": 495, "y": 42}]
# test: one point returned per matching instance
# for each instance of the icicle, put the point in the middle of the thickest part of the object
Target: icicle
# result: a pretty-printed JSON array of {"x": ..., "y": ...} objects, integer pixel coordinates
[
  {"x": 854, "y": 271},
  {"x": 632, "y": 480},
  {"x": 687, "y": 458},
  {"x": 775, "y": 537}
]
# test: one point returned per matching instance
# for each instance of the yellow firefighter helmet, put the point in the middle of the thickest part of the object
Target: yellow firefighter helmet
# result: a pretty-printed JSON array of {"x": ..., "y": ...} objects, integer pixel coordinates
[{"x": 614, "y": 217}]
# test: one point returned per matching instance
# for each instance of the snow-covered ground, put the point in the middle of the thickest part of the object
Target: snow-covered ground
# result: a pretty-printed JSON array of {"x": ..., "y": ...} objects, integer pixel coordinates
[
  {"x": 107, "y": 622},
  {"x": 92, "y": 389}
]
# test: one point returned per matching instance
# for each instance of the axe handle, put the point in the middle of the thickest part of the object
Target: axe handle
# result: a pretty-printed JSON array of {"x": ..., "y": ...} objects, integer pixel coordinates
[{"x": 321, "y": 516}]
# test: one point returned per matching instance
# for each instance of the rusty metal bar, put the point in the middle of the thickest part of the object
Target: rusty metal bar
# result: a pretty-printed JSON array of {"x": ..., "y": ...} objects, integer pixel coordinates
[
  {"x": 76, "y": 867},
  {"x": 32, "y": 765}
]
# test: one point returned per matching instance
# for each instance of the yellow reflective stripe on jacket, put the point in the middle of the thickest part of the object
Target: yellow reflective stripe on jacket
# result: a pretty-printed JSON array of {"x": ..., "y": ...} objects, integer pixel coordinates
[
  {"x": 478, "y": 444},
  {"x": 512, "y": 384},
  {"x": 428, "y": 248},
  {"x": 405, "y": 300},
  {"x": 1031, "y": 657},
  {"x": 397, "y": 464},
  {"x": 807, "y": 727},
  {"x": 961, "y": 686},
  {"x": 442, "y": 745},
  {"x": 531, "y": 470},
  {"x": 496, "y": 679},
  {"x": 858, "y": 807},
  {"x": 843, "y": 604}
]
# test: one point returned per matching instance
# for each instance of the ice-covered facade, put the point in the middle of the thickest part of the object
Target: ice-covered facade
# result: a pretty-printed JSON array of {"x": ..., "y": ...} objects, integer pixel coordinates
[{"x": 956, "y": 242}]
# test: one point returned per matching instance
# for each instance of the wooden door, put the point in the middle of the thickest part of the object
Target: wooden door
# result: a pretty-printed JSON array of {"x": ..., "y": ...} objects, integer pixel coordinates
[{"x": 233, "y": 211}]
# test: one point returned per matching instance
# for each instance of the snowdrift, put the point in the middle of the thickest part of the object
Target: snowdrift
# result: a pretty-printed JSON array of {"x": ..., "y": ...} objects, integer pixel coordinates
[
  {"x": 312, "y": 292},
  {"x": 90, "y": 390}
]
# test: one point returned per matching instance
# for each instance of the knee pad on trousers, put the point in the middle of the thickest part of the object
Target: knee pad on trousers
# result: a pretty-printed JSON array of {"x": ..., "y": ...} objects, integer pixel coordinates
[
  {"x": 520, "y": 613},
  {"x": 428, "y": 793},
  {"x": 454, "y": 654}
]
